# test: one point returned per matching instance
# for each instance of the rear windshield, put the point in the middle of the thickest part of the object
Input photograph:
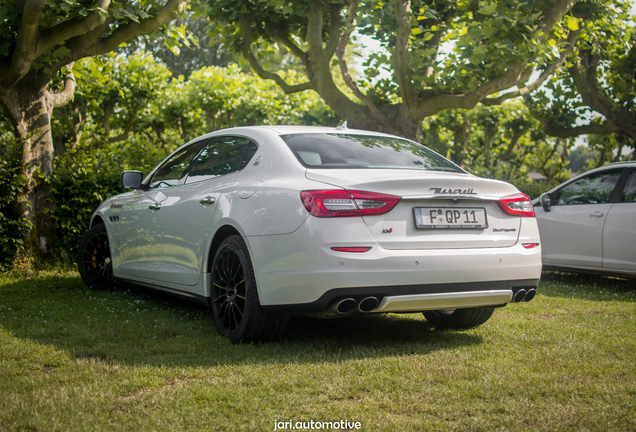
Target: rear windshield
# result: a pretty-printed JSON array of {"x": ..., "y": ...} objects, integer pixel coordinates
[{"x": 329, "y": 151}]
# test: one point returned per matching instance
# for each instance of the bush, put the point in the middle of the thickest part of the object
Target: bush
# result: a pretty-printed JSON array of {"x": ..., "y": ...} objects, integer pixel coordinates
[
  {"x": 80, "y": 181},
  {"x": 13, "y": 228}
]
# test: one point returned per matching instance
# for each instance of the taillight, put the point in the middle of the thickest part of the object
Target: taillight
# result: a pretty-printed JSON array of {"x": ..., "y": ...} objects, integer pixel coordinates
[
  {"x": 517, "y": 205},
  {"x": 330, "y": 203}
]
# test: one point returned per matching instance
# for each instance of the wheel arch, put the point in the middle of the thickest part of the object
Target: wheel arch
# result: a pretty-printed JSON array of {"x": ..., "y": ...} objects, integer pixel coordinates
[
  {"x": 96, "y": 221},
  {"x": 221, "y": 234}
]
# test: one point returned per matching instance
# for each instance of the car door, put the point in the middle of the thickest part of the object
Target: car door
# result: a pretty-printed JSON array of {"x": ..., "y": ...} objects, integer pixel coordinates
[
  {"x": 139, "y": 225},
  {"x": 619, "y": 233},
  {"x": 188, "y": 210},
  {"x": 572, "y": 232}
]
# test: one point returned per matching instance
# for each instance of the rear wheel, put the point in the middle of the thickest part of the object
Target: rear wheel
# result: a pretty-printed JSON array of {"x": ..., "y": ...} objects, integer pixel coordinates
[
  {"x": 93, "y": 258},
  {"x": 459, "y": 318},
  {"x": 238, "y": 314}
]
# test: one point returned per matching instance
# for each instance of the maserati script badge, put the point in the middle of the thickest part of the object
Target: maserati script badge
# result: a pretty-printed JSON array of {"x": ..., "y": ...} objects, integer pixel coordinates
[{"x": 442, "y": 191}]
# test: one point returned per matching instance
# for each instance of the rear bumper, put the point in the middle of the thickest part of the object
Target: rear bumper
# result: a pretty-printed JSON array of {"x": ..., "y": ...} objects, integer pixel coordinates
[
  {"x": 299, "y": 270},
  {"x": 414, "y": 298}
]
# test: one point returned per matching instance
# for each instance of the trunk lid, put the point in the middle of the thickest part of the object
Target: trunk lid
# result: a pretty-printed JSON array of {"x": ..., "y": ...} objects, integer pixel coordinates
[{"x": 434, "y": 193}]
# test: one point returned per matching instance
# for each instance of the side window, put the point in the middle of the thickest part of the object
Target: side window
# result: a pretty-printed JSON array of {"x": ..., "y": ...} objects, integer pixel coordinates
[
  {"x": 222, "y": 156},
  {"x": 174, "y": 168},
  {"x": 629, "y": 193},
  {"x": 592, "y": 189}
]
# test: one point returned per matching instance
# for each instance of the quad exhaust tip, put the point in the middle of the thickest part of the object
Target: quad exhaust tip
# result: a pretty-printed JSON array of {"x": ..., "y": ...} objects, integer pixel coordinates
[
  {"x": 530, "y": 294},
  {"x": 344, "y": 306},
  {"x": 519, "y": 295},
  {"x": 367, "y": 304}
]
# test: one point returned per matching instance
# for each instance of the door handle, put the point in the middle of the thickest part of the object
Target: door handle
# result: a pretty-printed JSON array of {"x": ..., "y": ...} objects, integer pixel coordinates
[
  {"x": 207, "y": 200},
  {"x": 597, "y": 214},
  {"x": 154, "y": 207}
]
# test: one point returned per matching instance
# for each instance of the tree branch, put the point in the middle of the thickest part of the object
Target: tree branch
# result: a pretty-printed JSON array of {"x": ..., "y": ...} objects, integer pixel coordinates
[
  {"x": 65, "y": 96},
  {"x": 69, "y": 29},
  {"x": 127, "y": 129},
  {"x": 555, "y": 14},
  {"x": 403, "y": 72},
  {"x": 344, "y": 38},
  {"x": 25, "y": 42},
  {"x": 565, "y": 132},
  {"x": 515, "y": 74},
  {"x": 279, "y": 36},
  {"x": 525, "y": 91},
  {"x": 170, "y": 11},
  {"x": 246, "y": 50},
  {"x": 334, "y": 30}
]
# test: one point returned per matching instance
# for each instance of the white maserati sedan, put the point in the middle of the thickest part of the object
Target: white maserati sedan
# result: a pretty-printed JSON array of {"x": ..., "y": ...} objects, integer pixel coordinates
[
  {"x": 267, "y": 222},
  {"x": 588, "y": 224}
]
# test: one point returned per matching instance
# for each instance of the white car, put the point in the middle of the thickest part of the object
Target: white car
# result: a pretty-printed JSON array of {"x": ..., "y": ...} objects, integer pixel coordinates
[
  {"x": 588, "y": 224},
  {"x": 263, "y": 223}
]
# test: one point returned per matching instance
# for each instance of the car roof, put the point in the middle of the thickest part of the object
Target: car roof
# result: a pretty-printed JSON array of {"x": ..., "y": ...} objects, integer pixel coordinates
[{"x": 291, "y": 129}]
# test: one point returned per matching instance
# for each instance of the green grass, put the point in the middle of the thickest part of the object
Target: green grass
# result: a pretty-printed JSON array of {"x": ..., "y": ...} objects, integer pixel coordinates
[{"x": 75, "y": 359}]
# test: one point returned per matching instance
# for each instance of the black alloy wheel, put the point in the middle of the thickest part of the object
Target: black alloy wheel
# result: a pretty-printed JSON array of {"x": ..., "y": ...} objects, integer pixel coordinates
[
  {"x": 234, "y": 301},
  {"x": 94, "y": 259},
  {"x": 229, "y": 290}
]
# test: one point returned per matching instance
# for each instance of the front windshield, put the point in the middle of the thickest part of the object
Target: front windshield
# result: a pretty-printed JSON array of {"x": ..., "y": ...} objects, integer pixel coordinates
[{"x": 331, "y": 150}]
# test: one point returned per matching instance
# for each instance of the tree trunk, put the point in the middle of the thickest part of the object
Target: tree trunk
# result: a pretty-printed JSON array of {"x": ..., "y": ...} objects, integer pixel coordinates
[
  {"x": 30, "y": 108},
  {"x": 460, "y": 133}
]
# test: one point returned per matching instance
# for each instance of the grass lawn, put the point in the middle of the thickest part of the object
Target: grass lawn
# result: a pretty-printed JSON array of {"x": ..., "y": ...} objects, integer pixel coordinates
[{"x": 75, "y": 359}]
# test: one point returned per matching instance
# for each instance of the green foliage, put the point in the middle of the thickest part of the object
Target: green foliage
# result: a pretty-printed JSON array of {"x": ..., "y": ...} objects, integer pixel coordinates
[
  {"x": 57, "y": 13},
  {"x": 502, "y": 142},
  {"x": 13, "y": 228},
  {"x": 79, "y": 182}
]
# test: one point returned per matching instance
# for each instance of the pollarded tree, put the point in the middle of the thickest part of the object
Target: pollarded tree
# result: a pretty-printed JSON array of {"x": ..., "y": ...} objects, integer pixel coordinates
[
  {"x": 442, "y": 53},
  {"x": 40, "y": 39}
]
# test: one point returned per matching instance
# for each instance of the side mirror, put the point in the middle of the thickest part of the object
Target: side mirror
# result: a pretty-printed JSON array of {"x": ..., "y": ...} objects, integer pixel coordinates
[
  {"x": 545, "y": 202},
  {"x": 131, "y": 179}
]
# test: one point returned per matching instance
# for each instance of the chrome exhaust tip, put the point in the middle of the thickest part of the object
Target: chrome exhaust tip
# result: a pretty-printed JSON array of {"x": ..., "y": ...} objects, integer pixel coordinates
[
  {"x": 368, "y": 304},
  {"x": 519, "y": 295},
  {"x": 344, "y": 306},
  {"x": 530, "y": 294}
]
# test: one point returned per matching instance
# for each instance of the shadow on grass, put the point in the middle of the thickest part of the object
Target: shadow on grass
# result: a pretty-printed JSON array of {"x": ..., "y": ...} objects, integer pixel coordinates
[
  {"x": 137, "y": 326},
  {"x": 587, "y": 286}
]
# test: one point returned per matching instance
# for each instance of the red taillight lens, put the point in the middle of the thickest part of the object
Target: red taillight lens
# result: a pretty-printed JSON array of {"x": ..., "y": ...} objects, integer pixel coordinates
[
  {"x": 338, "y": 203},
  {"x": 530, "y": 245},
  {"x": 517, "y": 205}
]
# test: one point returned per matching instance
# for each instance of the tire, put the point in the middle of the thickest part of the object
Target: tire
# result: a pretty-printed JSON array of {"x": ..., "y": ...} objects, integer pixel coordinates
[
  {"x": 94, "y": 259},
  {"x": 459, "y": 318},
  {"x": 238, "y": 314}
]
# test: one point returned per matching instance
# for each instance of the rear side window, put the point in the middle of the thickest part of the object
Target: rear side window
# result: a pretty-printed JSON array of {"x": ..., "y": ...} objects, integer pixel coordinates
[
  {"x": 333, "y": 151},
  {"x": 592, "y": 189},
  {"x": 222, "y": 156}
]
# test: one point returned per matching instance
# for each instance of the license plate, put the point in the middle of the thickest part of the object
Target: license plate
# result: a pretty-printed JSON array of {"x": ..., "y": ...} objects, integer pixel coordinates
[{"x": 445, "y": 217}]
